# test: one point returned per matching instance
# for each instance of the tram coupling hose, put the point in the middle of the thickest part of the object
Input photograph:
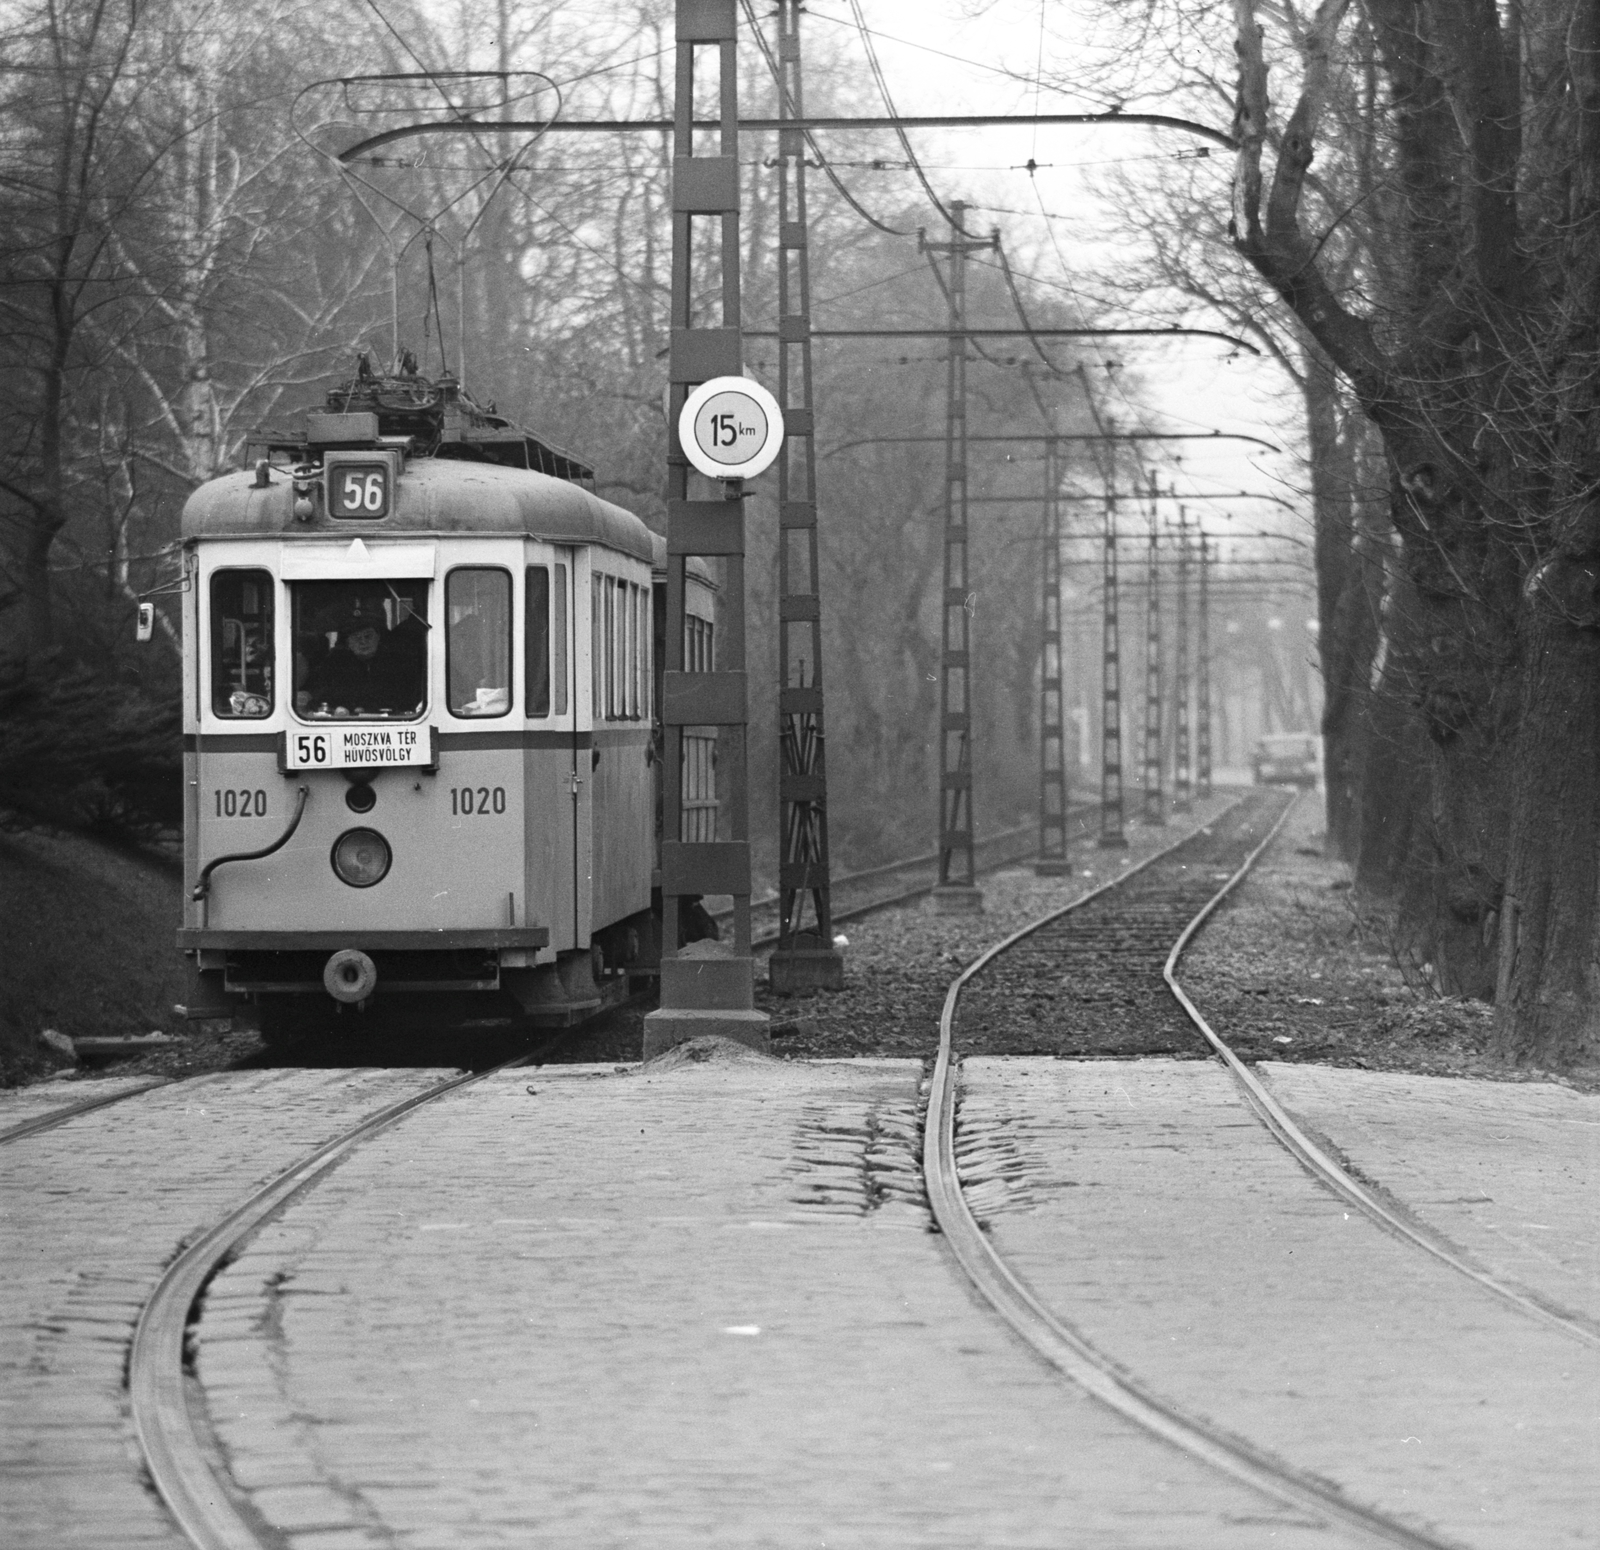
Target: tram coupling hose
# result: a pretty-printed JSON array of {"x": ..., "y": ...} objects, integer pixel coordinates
[{"x": 202, "y": 888}]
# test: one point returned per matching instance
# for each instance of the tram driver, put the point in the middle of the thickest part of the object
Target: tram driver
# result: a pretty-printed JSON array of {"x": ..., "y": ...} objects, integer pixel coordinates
[{"x": 370, "y": 669}]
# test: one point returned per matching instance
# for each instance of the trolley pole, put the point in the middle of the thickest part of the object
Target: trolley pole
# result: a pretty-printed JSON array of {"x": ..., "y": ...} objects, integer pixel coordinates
[
  {"x": 957, "y": 889},
  {"x": 1202, "y": 684},
  {"x": 1052, "y": 860},
  {"x": 805, "y": 959},
  {"x": 1112, "y": 836},
  {"x": 706, "y": 987},
  {"x": 1155, "y": 807},
  {"x": 1182, "y": 779}
]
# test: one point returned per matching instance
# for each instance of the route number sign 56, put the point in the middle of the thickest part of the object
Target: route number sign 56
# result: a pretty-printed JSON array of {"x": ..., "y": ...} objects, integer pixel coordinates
[
  {"x": 731, "y": 428},
  {"x": 359, "y": 490}
]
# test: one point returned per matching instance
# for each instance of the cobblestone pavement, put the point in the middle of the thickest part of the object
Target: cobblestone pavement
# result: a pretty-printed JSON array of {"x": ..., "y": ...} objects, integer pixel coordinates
[
  {"x": 699, "y": 1304},
  {"x": 1510, "y": 1175},
  {"x": 693, "y": 1306},
  {"x": 92, "y": 1212},
  {"x": 1148, "y": 1208}
]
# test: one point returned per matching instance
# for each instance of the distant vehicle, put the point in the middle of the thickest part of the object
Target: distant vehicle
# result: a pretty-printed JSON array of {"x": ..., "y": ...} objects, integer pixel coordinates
[{"x": 1287, "y": 759}]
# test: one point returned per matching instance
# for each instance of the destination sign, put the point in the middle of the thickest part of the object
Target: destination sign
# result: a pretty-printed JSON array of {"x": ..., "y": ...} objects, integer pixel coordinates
[{"x": 347, "y": 747}]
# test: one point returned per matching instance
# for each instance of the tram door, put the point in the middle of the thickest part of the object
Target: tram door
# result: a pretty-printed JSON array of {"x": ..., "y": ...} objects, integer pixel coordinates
[{"x": 566, "y": 672}]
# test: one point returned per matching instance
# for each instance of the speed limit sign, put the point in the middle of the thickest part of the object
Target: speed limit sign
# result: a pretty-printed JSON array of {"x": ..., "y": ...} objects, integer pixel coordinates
[{"x": 731, "y": 428}]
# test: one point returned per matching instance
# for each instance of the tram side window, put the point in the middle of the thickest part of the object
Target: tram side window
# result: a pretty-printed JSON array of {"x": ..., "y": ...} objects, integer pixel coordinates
[
  {"x": 597, "y": 652},
  {"x": 559, "y": 664},
  {"x": 619, "y": 635},
  {"x": 536, "y": 636},
  {"x": 478, "y": 641},
  {"x": 620, "y": 649},
  {"x": 241, "y": 643},
  {"x": 360, "y": 648},
  {"x": 641, "y": 659},
  {"x": 696, "y": 645}
]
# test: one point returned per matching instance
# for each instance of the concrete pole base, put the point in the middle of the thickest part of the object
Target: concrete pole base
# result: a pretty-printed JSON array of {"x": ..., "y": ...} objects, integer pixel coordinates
[
  {"x": 1053, "y": 866},
  {"x": 802, "y": 970},
  {"x": 673, "y": 1026},
  {"x": 957, "y": 899}
]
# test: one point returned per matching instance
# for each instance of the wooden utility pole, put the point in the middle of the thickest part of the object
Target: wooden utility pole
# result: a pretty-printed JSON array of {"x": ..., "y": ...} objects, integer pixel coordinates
[
  {"x": 805, "y": 958},
  {"x": 708, "y": 987}
]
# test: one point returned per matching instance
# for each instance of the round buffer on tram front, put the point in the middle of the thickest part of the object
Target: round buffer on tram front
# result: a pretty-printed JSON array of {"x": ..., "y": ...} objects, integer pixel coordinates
[{"x": 731, "y": 428}]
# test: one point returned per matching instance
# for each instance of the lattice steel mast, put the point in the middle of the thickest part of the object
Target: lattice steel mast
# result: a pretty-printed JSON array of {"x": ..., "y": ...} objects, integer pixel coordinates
[
  {"x": 1182, "y": 781},
  {"x": 1154, "y": 807},
  {"x": 712, "y": 989},
  {"x": 1202, "y": 686},
  {"x": 1052, "y": 732},
  {"x": 957, "y": 887},
  {"x": 1112, "y": 836},
  {"x": 805, "y": 959}
]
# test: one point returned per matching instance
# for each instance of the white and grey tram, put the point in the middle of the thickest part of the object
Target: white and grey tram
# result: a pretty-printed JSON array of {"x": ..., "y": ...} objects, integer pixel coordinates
[{"x": 419, "y": 682}]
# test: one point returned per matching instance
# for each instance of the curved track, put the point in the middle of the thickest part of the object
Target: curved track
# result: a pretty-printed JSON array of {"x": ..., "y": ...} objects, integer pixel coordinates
[
  {"x": 174, "y": 1455},
  {"x": 1157, "y": 887},
  {"x": 1320, "y": 1165}
]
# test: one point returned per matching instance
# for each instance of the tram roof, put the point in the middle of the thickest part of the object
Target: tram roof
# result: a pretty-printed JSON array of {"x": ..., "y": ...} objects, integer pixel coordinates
[{"x": 435, "y": 496}]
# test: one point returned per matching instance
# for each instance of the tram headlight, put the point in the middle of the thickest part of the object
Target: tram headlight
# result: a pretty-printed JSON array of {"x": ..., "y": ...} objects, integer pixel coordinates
[{"x": 361, "y": 857}]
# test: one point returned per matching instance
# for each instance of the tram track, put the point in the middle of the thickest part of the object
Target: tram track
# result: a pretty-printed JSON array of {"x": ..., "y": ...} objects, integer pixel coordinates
[
  {"x": 59, "y": 1116},
  {"x": 206, "y": 1507},
  {"x": 1121, "y": 934}
]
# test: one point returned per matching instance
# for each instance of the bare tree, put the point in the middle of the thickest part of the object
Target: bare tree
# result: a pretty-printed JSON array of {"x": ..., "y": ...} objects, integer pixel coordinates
[{"x": 1474, "y": 353}]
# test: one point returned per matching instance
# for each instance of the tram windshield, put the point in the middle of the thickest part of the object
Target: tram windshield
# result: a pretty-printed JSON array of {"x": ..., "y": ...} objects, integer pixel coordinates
[{"x": 360, "y": 649}]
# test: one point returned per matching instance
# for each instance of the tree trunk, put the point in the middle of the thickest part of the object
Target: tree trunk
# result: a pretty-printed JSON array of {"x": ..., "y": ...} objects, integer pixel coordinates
[
  {"x": 1345, "y": 638},
  {"x": 1549, "y": 978}
]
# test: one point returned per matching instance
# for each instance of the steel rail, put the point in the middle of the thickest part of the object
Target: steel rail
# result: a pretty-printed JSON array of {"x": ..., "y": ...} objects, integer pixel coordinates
[
  {"x": 1324, "y": 1168},
  {"x": 32, "y": 1127},
  {"x": 1067, "y": 1351},
  {"x": 197, "y": 1497}
]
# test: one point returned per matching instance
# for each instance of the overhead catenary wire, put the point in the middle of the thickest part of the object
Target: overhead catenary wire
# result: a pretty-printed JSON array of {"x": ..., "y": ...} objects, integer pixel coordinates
[
  {"x": 899, "y": 130},
  {"x": 810, "y": 139}
]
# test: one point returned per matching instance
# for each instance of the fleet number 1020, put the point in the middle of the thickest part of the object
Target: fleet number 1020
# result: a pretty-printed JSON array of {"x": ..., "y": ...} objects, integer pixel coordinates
[{"x": 479, "y": 800}]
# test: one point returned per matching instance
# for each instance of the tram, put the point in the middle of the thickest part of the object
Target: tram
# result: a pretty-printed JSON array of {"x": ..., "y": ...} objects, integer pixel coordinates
[{"x": 421, "y": 661}]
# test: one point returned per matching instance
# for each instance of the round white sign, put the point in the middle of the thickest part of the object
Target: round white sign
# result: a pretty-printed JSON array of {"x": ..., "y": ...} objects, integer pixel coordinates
[{"x": 731, "y": 428}]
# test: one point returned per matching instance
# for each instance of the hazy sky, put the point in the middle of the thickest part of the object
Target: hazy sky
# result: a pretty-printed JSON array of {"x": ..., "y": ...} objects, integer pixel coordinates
[{"x": 955, "y": 56}]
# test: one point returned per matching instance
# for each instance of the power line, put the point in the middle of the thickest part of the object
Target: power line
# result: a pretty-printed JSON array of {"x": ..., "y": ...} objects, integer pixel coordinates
[
  {"x": 776, "y": 71},
  {"x": 888, "y": 102}
]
